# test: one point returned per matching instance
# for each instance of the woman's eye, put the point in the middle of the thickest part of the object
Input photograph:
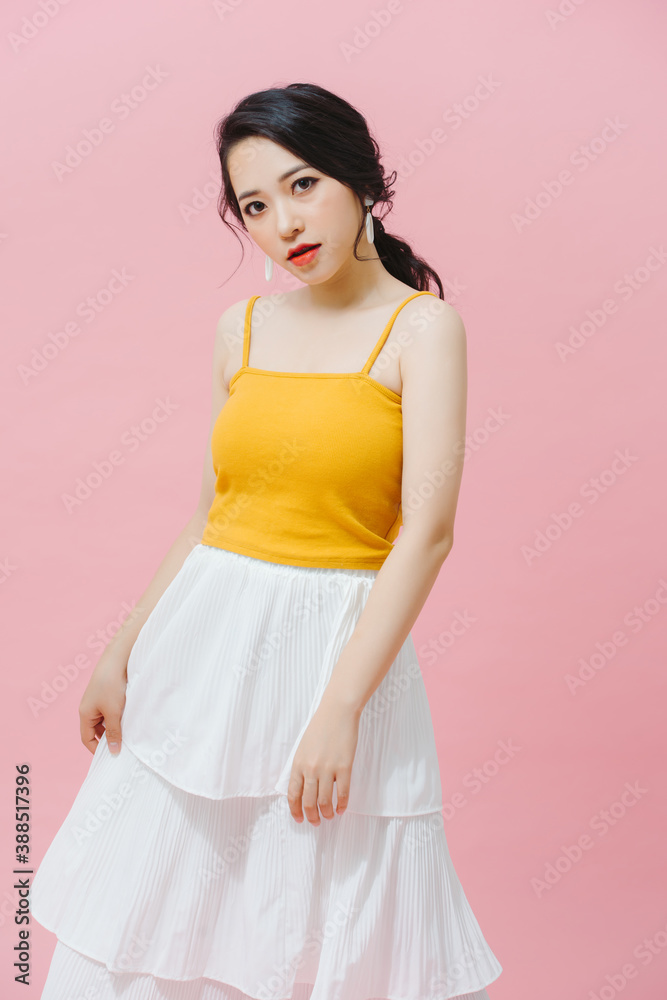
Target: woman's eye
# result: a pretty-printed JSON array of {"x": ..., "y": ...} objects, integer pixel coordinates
[
  {"x": 300, "y": 180},
  {"x": 249, "y": 205}
]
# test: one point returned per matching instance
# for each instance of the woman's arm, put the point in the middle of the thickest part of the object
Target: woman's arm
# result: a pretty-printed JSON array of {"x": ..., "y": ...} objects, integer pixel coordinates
[
  {"x": 120, "y": 646},
  {"x": 103, "y": 702},
  {"x": 434, "y": 376}
]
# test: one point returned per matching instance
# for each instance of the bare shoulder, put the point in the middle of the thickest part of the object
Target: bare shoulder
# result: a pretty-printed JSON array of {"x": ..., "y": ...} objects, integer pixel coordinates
[
  {"x": 433, "y": 331},
  {"x": 228, "y": 348},
  {"x": 230, "y": 324},
  {"x": 434, "y": 317}
]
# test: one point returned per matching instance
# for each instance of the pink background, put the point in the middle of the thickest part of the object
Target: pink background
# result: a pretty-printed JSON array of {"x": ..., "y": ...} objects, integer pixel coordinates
[{"x": 597, "y": 587}]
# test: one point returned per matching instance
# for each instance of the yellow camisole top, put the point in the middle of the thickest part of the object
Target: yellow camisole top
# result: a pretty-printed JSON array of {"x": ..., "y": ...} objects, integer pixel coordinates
[{"x": 308, "y": 465}]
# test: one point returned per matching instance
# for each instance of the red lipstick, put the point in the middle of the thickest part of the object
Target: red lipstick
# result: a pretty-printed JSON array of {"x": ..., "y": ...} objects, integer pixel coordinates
[{"x": 303, "y": 253}]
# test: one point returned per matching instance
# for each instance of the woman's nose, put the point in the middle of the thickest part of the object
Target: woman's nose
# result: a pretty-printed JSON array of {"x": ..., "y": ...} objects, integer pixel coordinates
[{"x": 288, "y": 223}]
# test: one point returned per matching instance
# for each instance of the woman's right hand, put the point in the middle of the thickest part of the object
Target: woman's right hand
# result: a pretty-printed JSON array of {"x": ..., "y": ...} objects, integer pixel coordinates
[{"x": 103, "y": 701}]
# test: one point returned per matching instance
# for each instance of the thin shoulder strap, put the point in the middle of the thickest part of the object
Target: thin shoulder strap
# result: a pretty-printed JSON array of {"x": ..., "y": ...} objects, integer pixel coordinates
[
  {"x": 387, "y": 330},
  {"x": 246, "y": 329}
]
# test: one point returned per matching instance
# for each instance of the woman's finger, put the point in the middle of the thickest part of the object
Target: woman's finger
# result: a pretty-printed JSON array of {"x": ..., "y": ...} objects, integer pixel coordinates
[
  {"x": 88, "y": 736},
  {"x": 325, "y": 795},
  {"x": 342, "y": 789},
  {"x": 294, "y": 790},
  {"x": 310, "y": 800}
]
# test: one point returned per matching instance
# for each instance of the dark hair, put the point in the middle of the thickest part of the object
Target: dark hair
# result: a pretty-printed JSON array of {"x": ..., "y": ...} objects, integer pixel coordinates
[{"x": 332, "y": 136}]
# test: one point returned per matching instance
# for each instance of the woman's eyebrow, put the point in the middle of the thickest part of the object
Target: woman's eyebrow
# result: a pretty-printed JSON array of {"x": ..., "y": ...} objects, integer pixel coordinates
[{"x": 283, "y": 177}]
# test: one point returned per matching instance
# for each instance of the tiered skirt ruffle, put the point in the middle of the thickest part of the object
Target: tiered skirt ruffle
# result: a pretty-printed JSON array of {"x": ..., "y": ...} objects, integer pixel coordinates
[{"x": 179, "y": 872}]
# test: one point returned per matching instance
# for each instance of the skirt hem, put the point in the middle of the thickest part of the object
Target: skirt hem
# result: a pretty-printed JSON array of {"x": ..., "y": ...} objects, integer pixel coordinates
[
  {"x": 476, "y": 993},
  {"x": 268, "y": 793}
]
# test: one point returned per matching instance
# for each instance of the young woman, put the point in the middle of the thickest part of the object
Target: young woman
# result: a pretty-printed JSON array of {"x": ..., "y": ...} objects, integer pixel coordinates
[{"x": 262, "y": 813}]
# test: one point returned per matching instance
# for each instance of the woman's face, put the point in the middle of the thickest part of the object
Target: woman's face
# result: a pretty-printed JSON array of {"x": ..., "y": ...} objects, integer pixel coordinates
[{"x": 305, "y": 207}]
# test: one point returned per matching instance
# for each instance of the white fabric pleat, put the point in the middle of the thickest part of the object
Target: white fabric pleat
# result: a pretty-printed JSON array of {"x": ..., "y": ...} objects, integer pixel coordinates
[
  {"x": 179, "y": 872},
  {"x": 75, "y": 976},
  {"x": 229, "y": 669}
]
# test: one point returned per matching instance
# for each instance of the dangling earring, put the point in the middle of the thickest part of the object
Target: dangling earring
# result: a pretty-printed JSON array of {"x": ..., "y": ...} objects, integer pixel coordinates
[
  {"x": 370, "y": 234},
  {"x": 268, "y": 267}
]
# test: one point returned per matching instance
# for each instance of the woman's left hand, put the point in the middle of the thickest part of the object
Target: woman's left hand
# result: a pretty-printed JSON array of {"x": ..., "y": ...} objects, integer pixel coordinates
[{"x": 325, "y": 754}]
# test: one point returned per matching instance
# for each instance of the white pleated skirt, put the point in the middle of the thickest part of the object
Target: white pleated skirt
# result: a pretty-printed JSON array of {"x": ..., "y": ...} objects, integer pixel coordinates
[{"x": 179, "y": 872}]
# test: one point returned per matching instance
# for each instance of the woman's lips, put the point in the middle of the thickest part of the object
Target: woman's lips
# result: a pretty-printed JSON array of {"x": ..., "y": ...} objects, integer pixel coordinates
[{"x": 305, "y": 258}]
